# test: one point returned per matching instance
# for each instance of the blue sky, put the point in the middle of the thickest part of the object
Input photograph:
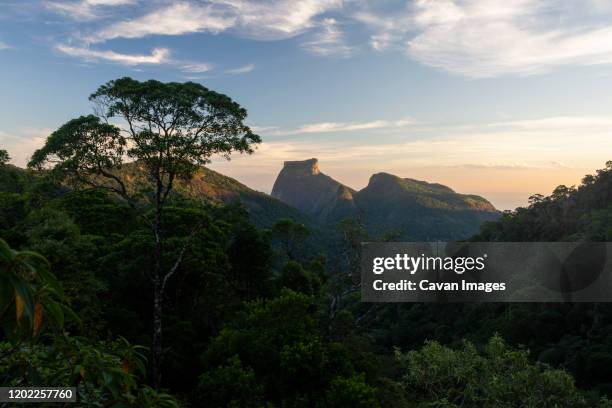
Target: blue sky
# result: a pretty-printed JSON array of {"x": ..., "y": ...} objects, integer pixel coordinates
[{"x": 498, "y": 98}]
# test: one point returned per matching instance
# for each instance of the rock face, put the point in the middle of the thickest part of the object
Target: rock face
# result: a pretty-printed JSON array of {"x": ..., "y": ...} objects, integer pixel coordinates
[
  {"x": 302, "y": 185},
  {"x": 409, "y": 209}
]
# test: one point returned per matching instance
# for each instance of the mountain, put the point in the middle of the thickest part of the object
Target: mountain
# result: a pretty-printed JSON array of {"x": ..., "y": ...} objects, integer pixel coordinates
[
  {"x": 302, "y": 185},
  {"x": 409, "y": 209},
  {"x": 418, "y": 210}
]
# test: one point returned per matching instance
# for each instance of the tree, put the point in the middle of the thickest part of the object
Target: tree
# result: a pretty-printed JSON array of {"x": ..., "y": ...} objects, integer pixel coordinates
[
  {"x": 291, "y": 236},
  {"x": 103, "y": 373},
  {"x": 293, "y": 276},
  {"x": 168, "y": 130},
  {"x": 274, "y": 349},
  {"x": 250, "y": 255},
  {"x": 496, "y": 377},
  {"x": 4, "y": 157}
]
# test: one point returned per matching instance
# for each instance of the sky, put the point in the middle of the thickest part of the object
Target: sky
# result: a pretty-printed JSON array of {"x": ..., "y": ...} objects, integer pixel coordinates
[{"x": 499, "y": 98}]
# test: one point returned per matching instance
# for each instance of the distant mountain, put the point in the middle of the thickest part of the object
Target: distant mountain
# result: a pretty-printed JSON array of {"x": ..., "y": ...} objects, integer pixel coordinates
[
  {"x": 302, "y": 185},
  {"x": 409, "y": 209}
]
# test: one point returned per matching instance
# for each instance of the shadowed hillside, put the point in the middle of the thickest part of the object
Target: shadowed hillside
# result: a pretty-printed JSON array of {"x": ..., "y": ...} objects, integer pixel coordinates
[{"x": 211, "y": 187}]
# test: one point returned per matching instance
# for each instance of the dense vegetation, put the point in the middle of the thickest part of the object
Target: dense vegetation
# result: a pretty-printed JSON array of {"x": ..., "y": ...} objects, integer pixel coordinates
[
  {"x": 251, "y": 318},
  {"x": 568, "y": 214},
  {"x": 260, "y": 317}
]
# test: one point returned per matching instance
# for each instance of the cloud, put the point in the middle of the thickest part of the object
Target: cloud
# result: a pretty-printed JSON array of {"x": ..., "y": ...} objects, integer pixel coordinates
[
  {"x": 254, "y": 19},
  {"x": 490, "y": 38},
  {"x": 330, "y": 127},
  {"x": 512, "y": 166},
  {"x": 157, "y": 56},
  {"x": 472, "y": 38},
  {"x": 3, "y": 45},
  {"x": 176, "y": 19},
  {"x": 277, "y": 19},
  {"x": 500, "y": 37},
  {"x": 328, "y": 41},
  {"x": 388, "y": 29},
  {"x": 542, "y": 143},
  {"x": 557, "y": 123},
  {"x": 85, "y": 9},
  {"x": 196, "y": 68},
  {"x": 241, "y": 70}
]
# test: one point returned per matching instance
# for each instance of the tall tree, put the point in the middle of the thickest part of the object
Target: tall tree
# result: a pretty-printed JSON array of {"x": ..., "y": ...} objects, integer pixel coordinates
[
  {"x": 169, "y": 130},
  {"x": 4, "y": 157}
]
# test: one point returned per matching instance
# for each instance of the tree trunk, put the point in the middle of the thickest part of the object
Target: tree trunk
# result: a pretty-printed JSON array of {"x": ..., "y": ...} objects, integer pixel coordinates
[
  {"x": 158, "y": 295},
  {"x": 157, "y": 351}
]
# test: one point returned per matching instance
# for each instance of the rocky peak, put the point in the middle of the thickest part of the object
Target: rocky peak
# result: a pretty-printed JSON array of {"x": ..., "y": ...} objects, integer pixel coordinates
[
  {"x": 304, "y": 167},
  {"x": 382, "y": 180},
  {"x": 302, "y": 185}
]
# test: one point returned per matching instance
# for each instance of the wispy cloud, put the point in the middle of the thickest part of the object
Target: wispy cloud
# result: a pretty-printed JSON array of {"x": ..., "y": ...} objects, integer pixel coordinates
[
  {"x": 176, "y": 19},
  {"x": 556, "y": 123},
  {"x": 472, "y": 38},
  {"x": 480, "y": 39},
  {"x": 388, "y": 30},
  {"x": 3, "y": 45},
  {"x": 503, "y": 37},
  {"x": 277, "y": 19},
  {"x": 85, "y": 9},
  {"x": 157, "y": 56},
  {"x": 511, "y": 166},
  {"x": 329, "y": 41},
  {"x": 330, "y": 127},
  {"x": 547, "y": 142},
  {"x": 196, "y": 68},
  {"x": 241, "y": 70},
  {"x": 261, "y": 20}
]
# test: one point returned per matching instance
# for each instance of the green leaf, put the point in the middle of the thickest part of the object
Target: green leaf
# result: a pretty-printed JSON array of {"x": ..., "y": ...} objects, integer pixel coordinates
[{"x": 22, "y": 288}]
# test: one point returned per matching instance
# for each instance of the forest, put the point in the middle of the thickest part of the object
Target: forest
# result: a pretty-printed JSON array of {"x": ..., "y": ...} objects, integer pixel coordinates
[{"x": 117, "y": 283}]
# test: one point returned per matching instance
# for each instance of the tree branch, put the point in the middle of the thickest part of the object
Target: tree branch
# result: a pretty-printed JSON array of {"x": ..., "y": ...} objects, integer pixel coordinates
[{"x": 176, "y": 265}]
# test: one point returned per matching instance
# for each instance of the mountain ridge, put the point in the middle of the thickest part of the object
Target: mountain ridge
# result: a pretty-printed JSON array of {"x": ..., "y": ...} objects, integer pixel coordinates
[{"x": 411, "y": 209}]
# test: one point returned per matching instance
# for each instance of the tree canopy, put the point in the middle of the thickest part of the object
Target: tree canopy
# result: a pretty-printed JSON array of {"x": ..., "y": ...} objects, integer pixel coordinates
[{"x": 168, "y": 130}]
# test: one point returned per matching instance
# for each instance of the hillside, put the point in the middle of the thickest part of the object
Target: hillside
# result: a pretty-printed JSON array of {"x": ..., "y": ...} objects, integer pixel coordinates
[
  {"x": 217, "y": 188},
  {"x": 409, "y": 209},
  {"x": 206, "y": 185}
]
